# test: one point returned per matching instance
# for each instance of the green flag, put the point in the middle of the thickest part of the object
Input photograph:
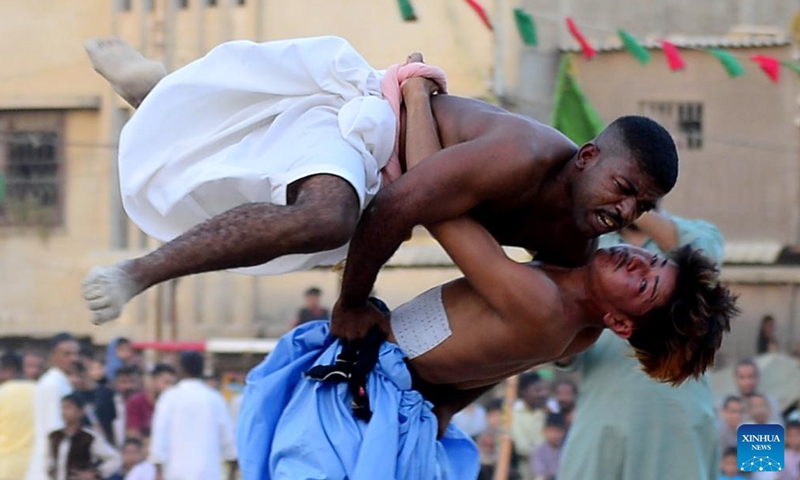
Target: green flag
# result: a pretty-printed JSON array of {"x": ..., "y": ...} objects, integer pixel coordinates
[
  {"x": 793, "y": 66},
  {"x": 573, "y": 115},
  {"x": 526, "y": 27},
  {"x": 634, "y": 47},
  {"x": 730, "y": 62},
  {"x": 407, "y": 11}
]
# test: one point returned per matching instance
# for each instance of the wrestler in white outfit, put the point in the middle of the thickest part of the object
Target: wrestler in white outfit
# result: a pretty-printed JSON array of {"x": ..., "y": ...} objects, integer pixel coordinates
[{"x": 245, "y": 121}]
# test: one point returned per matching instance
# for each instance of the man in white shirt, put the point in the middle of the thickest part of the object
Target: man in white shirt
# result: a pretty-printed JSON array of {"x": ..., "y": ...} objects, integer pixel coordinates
[
  {"x": 192, "y": 430},
  {"x": 50, "y": 389}
]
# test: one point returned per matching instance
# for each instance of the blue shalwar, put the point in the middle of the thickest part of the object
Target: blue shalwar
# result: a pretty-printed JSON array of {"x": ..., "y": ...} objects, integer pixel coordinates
[{"x": 291, "y": 427}]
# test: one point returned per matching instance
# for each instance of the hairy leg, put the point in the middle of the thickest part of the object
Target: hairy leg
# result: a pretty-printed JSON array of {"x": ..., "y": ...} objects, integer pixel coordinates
[
  {"x": 132, "y": 75},
  {"x": 321, "y": 214}
]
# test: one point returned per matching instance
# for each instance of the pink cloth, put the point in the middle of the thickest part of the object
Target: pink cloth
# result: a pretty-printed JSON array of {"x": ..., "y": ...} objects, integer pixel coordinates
[{"x": 391, "y": 88}]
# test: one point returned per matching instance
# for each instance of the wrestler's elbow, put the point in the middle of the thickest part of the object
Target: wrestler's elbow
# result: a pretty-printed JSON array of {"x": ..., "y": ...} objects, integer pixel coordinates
[{"x": 390, "y": 213}]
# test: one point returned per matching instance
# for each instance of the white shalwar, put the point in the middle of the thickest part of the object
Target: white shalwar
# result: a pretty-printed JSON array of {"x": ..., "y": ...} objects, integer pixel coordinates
[{"x": 242, "y": 123}]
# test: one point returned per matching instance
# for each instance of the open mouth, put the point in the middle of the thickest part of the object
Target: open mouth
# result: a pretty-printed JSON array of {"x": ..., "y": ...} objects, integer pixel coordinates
[{"x": 606, "y": 222}]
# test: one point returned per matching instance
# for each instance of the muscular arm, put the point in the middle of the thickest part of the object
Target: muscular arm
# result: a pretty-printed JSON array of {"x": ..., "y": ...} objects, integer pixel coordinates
[{"x": 447, "y": 185}]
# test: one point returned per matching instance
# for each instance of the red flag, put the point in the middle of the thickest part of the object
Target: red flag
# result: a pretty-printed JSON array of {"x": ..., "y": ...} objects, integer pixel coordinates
[
  {"x": 770, "y": 65},
  {"x": 588, "y": 51},
  {"x": 674, "y": 59},
  {"x": 481, "y": 13}
]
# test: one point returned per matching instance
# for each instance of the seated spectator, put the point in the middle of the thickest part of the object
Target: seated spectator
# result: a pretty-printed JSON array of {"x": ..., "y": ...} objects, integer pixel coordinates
[
  {"x": 731, "y": 415},
  {"x": 78, "y": 453},
  {"x": 791, "y": 455},
  {"x": 730, "y": 465},
  {"x": 546, "y": 457},
  {"x": 135, "y": 466}
]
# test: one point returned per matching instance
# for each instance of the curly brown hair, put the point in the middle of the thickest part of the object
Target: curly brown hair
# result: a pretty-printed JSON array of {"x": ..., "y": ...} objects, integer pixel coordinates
[{"x": 680, "y": 339}]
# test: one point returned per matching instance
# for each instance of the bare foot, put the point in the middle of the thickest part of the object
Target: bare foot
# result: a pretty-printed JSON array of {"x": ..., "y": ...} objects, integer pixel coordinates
[
  {"x": 131, "y": 74},
  {"x": 107, "y": 290}
]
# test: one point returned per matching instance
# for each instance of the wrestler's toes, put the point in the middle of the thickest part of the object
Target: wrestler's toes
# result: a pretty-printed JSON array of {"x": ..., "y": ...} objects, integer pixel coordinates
[
  {"x": 105, "y": 315},
  {"x": 99, "y": 303}
]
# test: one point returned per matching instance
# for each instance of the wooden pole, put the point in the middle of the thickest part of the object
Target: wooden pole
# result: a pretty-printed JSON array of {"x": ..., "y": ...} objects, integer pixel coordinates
[{"x": 503, "y": 466}]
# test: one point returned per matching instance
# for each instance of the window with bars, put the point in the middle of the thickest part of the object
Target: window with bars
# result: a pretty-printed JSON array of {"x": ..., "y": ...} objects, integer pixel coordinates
[
  {"x": 31, "y": 166},
  {"x": 684, "y": 120}
]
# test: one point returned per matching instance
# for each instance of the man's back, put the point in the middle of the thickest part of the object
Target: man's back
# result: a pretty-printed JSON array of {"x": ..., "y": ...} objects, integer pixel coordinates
[
  {"x": 16, "y": 433},
  {"x": 619, "y": 408},
  {"x": 192, "y": 432}
]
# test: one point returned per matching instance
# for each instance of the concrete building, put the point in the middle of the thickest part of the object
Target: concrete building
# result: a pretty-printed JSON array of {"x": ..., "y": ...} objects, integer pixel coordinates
[{"x": 60, "y": 122}]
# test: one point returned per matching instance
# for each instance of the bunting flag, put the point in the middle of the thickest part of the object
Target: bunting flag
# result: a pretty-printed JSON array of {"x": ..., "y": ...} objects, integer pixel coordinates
[
  {"x": 481, "y": 13},
  {"x": 635, "y": 48},
  {"x": 770, "y": 65},
  {"x": 674, "y": 59},
  {"x": 793, "y": 66},
  {"x": 588, "y": 51},
  {"x": 573, "y": 115},
  {"x": 407, "y": 11},
  {"x": 526, "y": 27},
  {"x": 730, "y": 62}
]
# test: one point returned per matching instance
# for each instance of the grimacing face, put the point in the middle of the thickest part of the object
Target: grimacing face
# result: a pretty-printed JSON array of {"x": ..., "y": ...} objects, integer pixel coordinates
[
  {"x": 632, "y": 281},
  {"x": 611, "y": 192}
]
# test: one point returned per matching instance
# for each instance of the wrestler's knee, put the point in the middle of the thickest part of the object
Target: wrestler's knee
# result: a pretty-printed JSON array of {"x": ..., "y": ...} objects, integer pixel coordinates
[
  {"x": 332, "y": 229},
  {"x": 330, "y": 207}
]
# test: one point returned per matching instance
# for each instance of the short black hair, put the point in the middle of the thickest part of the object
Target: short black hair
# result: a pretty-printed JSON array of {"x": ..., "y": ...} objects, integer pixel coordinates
[
  {"x": 759, "y": 395},
  {"x": 729, "y": 399},
  {"x": 192, "y": 363},
  {"x": 313, "y": 291},
  {"x": 132, "y": 441},
  {"x": 162, "y": 368},
  {"x": 793, "y": 424},
  {"x": 79, "y": 368},
  {"x": 122, "y": 341},
  {"x": 11, "y": 361},
  {"x": 127, "y": 371},
  {"x": 85, "y": 350},
  {"x": 555, "y": 420},
  {"x": 651, "y": 145},
  {"x": 60, "y": 338},
  {"x": 527, "y": 379},
  {"x": 74, "y": 399},
  {"x": 747, "y": 362},
  {"x": 730, "y": 451},
  {"x": 567, "y": 382},
  {"x": 494, "y": 404}
]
